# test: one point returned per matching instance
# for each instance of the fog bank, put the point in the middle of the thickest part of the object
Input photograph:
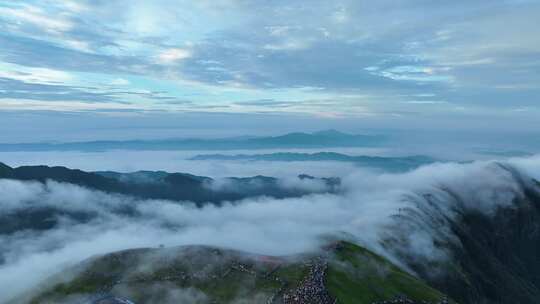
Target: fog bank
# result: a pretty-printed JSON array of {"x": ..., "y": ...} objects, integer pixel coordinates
[{"x": 366, "y": 209}]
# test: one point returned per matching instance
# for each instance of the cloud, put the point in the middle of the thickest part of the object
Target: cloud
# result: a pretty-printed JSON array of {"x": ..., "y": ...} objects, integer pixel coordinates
[
  {"x": 413, "y": 73},
  {"x": 21, "y": 50},
  {"x": 37, "y": 75},
  {"x": 178, "y": 161},
  {"x": 268, "y": 103},
  {"x": 473, "y": 54},
  {"x": 120, "y": 82},
  {"x": 173, "y": 55},
  {"x": 289, "y": 45},
  {"x": 68, "y": 105},
  {"x": 425, "y": 102},
  {"x": 365, "y": 210},
  {"x": 37, "y": 17}
]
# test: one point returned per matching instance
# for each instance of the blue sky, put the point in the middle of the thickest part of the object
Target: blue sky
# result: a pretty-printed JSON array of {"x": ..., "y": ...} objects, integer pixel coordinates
[{"x": 77, "y": 70}]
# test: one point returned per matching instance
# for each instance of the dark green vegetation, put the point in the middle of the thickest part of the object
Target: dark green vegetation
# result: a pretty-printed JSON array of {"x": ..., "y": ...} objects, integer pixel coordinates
[
  {"x": 328, "y": 138},
  {"x": 210, "y": 275},
  {"x": 386, "y": 163}
]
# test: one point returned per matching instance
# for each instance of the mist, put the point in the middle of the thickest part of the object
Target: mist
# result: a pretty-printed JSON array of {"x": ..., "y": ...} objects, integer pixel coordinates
[
  {"x": 178, "y": 161},
  {"x": 368, "y": 208}
]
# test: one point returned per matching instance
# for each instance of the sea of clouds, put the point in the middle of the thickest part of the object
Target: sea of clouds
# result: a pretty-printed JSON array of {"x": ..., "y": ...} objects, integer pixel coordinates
[{"x": 365, "y": 209}]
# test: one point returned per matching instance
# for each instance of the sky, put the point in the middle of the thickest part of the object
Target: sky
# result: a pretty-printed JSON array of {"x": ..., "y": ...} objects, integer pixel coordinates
[{"x": 85, "y": 70}]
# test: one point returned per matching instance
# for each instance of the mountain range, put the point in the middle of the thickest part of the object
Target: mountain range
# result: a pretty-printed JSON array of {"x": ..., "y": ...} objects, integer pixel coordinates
[
  {"x": 321, "y": 139},
  {"x": 170, "y": 186},
  {"x": 387, "y": 163},
  {"x": 180, "y": 187}
]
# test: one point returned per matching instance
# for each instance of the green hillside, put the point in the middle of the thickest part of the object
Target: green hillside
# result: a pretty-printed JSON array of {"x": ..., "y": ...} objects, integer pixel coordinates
[
  {"x": 357, "y": 275},
  {"x": 342, "y": 273}
]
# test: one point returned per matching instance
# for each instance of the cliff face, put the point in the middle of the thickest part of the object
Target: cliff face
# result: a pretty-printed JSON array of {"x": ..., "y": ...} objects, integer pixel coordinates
[
  {"x": 499, "y": 257},
  {"x": 492, "y": 257}
]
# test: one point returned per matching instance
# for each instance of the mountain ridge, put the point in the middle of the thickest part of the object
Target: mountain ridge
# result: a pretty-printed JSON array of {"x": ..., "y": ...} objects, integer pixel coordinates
[
  {"x": 179, "y": 187},
  {"x": 389, "y": 163},
  {"x": 155, "y": 184},
  {"x": 325, "y": 138}
]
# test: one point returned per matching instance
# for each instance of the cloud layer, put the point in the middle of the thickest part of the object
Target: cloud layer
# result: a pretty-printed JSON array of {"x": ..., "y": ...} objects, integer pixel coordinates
[{"x": 366, "y": 210}]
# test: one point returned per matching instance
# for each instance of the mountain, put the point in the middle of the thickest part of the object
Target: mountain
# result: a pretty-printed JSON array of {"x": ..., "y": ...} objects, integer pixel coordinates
[
  {"x": 179, "y": 187},
  {"x": 61, "y": 174},
  {"x": 5, "y": 170},
  {"x": 506, "y": 153},
  {"x": 164, "y": 185},
  {"x": 386, "y": 163},
  {"x": 492, "y": 257},
  {"x": 329, "y": 138},
  {"x": 340, "y": 273}
]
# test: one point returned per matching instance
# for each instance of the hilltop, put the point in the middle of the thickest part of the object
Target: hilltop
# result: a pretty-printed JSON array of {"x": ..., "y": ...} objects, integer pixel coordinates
[{"x": 340, "y": 273}]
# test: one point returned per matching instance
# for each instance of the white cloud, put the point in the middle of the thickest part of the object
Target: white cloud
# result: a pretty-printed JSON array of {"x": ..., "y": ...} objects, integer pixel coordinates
[
  {"x": 278, "y": 30},
  {"x": 177, "y": 161},
  {"x": 288, "y": 45},
  {"x": 35, "y": 75},
  {"x": 425, "y": 102},
  {"x": 73, "y": 6},
  {"x": 35, "y": 16},
  {"x": 340, "y": 15},
  {"x": 78, "y": 45},
  {"x": 173, "y": 55},
  {"x": 72, "y": 105},
  {"x": 415, "y": 73},
  {"x": 120, "y": 82}
]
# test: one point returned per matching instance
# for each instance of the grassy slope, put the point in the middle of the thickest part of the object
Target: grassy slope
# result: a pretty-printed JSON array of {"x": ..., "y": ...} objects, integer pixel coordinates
[
  {"x": 355, "y": 275},
  {"x": 358, "y": 276}
]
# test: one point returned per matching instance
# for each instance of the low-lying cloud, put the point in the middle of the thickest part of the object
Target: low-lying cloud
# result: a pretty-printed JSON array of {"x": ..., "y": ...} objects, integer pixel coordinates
[
  {"x": 366, "y": 209},
  {"x": 178, "y": 161}
]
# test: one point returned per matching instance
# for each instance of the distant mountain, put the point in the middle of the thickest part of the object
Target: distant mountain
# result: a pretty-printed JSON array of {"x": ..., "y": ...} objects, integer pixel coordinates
[
  {"x": 506, "y": 153},
  {"x": 388, "y": 163},
  {"x": 341, "y": 273},
  {"x": 329, "y": 138},
  {"x": 164, "y": 185},
  {"x": 150, "y": 185}
]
